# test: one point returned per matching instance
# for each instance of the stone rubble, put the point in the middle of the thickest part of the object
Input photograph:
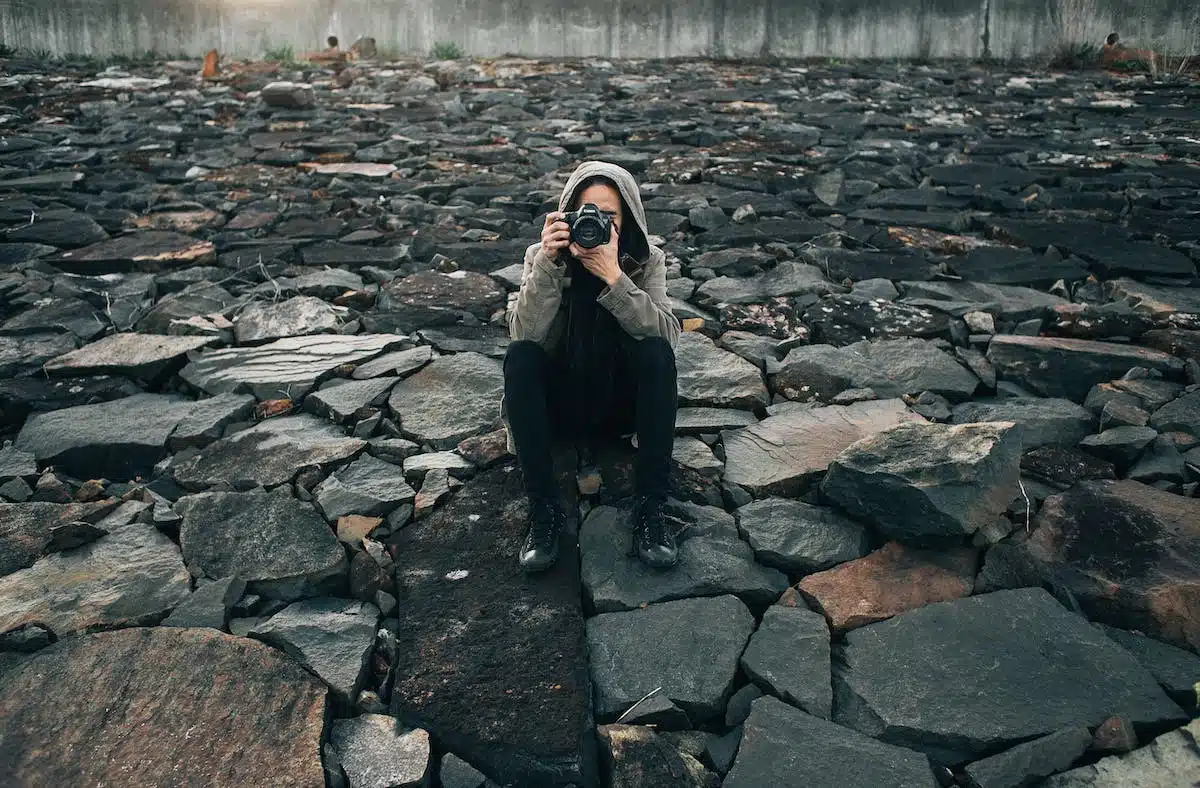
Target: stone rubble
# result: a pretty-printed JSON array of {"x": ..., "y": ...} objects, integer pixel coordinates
[{"x": 937, "y": 462}]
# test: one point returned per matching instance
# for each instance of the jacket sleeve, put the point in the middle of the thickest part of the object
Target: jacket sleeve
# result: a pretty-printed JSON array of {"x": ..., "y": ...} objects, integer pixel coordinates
[
  {"x": 643, "y": 313},
  {"x": 539, "y": 297}
]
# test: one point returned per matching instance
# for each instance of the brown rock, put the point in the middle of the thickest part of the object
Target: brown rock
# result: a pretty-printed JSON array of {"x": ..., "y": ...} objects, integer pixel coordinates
[
  {"x": 889, "y": 581},
  {"x": 161, "y": 706},
  {"x": 1130, "y": 554},
  {"x": 1114, "y": 736},
  {"x": 484, "y": 451},
  {"x": 351, "y": 528},
  {"x": 25, "y": 528}
]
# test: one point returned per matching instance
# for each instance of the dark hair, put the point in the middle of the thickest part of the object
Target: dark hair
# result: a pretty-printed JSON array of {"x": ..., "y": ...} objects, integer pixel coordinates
[
  {"x": 630, "y": 241},
  {"x": 332, "y": 41},
  {"x": 1112, "y": 39}
]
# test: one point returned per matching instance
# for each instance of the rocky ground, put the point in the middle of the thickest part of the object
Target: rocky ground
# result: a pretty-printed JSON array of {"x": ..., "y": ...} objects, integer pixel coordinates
[{"x": 937, "y": 459}]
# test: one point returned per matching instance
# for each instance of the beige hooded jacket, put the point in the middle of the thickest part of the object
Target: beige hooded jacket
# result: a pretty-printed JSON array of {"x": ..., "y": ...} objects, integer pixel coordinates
[{"x": 638, "y": 300}]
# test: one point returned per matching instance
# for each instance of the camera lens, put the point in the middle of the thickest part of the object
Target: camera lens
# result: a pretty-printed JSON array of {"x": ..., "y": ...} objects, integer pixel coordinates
[{"x": 588, "y": 233}]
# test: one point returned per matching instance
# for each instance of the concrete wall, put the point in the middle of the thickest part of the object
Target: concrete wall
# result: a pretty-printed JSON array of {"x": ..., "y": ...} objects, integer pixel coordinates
[{"x": 605, "y": 28}]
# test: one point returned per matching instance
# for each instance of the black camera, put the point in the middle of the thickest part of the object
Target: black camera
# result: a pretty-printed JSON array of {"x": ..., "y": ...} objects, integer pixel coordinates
[{"x": 590, "y": 227}]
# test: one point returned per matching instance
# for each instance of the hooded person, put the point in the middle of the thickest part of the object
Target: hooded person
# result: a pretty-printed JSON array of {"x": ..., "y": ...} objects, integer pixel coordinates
[{"x": 593, "y": 355}]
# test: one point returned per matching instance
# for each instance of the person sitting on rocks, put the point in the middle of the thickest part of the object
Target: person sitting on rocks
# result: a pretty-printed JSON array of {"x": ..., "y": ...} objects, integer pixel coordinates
[{"x": 593, "y": 354}]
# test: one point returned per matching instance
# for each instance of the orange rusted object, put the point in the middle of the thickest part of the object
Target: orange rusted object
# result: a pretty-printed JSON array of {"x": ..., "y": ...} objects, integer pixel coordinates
[{"x": 212, "y": 64}]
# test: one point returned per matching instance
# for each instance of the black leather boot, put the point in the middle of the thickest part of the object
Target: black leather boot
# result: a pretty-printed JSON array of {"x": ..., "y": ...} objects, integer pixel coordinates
[
  {"x": 653, "y": 537},
  {"x": 539, "y": 551}
]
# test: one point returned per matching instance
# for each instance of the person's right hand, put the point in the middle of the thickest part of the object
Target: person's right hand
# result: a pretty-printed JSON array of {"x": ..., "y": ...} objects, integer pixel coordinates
[{"x": 556, "y": 234}]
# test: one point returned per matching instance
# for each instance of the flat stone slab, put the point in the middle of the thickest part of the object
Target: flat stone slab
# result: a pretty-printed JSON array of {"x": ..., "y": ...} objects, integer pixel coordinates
[
  {"x": 21, "y": 356},
  {"x": 962, "y": 679},
  {"x": 689, "y": 648},
  {"x": 890, "y": 367},
  {"x": 1130, "y": 554},
  {"x": 467, "y": 616},
  {"x": 115, "y": 440},
  {"x": 26, "y": 528},
  {"x": 144, "y": 356},
  {"x": 350, "y": 400},
  {"x": 1032, "y": 760},
  {"x": 784, "y": 454},
  {"x": 280, "y": 546},
  {"x": 1057, "y": 367},
  {"x": 713, "y": 561},
  {"x": 1172, "y": 759},
  {"x": 788, "y": 657},
  {"x": 1039, "y": 421},
  {"x": 332, "y": 638},
  {"x": 921, "y": 483},
  {"x": 288, "y": 367},
  {"x": 368, "y": 486},
  {"x": 149, "y": 250},
  {"x": 799, "y": 537},
  {"x": 710, "y": 376},
  {"x": 237, "y": 713},
  {"x": 376, "y": 752},
  {"x": 261, "y": 322},
  {"x": 452, "y": 398},
  {"x": 783, "y": 747},
  {"x": 132, "y": 577},
  {"x": 268, "y": 454}
]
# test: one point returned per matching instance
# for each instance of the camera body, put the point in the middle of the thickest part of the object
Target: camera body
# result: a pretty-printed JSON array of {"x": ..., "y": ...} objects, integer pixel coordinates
[{"x": 590, "y": 227}]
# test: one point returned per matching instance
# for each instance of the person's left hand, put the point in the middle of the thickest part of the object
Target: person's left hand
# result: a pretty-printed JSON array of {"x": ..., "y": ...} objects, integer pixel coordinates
[{"x": 602, "y": 260}]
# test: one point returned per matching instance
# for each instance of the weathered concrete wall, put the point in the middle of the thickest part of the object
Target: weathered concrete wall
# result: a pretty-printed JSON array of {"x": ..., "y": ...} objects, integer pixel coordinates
[{"x": 614, "y": 28}]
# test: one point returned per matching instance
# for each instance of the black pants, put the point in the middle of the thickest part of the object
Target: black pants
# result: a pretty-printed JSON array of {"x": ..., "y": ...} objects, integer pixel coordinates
[{"x": 540, "y": 409}]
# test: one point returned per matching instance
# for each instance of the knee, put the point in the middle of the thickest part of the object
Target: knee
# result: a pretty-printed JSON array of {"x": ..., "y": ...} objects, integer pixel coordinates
[
  {"x": 654, "y": 354},
  {"x": 523, "y": 356}
]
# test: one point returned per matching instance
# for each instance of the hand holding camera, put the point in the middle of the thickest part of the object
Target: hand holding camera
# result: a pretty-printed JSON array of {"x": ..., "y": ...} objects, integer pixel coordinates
[{"x": 589, "y": 234}]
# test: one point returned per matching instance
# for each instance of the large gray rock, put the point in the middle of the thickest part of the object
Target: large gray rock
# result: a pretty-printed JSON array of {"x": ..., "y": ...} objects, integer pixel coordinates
[
  {"x": 1056, "y": 367},
  {"x": 1038, "y": 421},
  {"x": 376, "y": 752},
  {"x": 784, "y": 454},
  {"x": 689, "y": 648},
  {"x": 288, "y": 367},
  {"x": 367, "y": 486},
  {"x": 349, "y": 400},
  {"x": 27, "y": 529},
  {"x": 149, "y": 357},
  {"x": 1003, "y": 301},
  {"x": 1177, "y": 670},
  {"x": 268, "y": 454},
  {"x": 298, "y": 316},
  {"x": 21, "y": 356},
  {"x": 1180, "y": 415},
  {"x": 160, "y": 706},
  {"x": 452, "y": 398},
  {"x": 288, "y": 95},
  {"x": 789, "y": 278},
  {"x": 891, "y": 367},
  {"x": 925, "y": 482},
  {"x": 209, "y": 605},
  {"x": 1028, "y": 762},
  {"x": 990, "y": 672},
  {"x": 782, "y": 747},
  {"x": 332, "y": 638},
  {"x": 114, "y": 440},
  {"x": 207, "y": 419},
  {"x": 788, "y": 656},
  {"x": 132, "y": 577},
  {"x": 709, "y": 376},
  {"x": 1170, "y": 761},
  {"x": 280, "y": 546},
  {"x": 712, "y": 561},
  {"x": 798, "y": 537}
]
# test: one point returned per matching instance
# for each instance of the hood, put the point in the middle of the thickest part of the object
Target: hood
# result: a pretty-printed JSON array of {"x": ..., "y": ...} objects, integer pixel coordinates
[{"x": 628, "y": 188}]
